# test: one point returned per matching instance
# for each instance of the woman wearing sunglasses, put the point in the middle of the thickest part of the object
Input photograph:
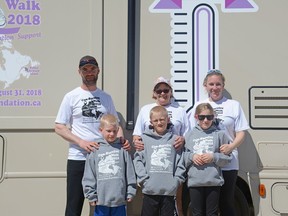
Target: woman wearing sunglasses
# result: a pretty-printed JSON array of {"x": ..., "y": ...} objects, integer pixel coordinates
[
  {"x": 230, "y": 118},
  {"x": 163, "y": 95}
]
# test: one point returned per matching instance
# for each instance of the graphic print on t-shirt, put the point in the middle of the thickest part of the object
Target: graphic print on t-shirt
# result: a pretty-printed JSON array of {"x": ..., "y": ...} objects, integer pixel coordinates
[
  {"x": 218, "y": 121},
  {"x": 91, "y": 108},
  {"x": 108, "y": 165},
  {"x": 170, "y": 115},
  {"x": 218, "y": 111},
  {"x": 203, "y": 145},
  {"x": 160, "y": 158}
]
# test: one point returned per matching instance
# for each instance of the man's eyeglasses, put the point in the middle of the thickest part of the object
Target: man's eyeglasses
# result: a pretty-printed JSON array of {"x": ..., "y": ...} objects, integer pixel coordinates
[
  {"x": 208, "y": 117},
  {"x": 159, "y": 91}
]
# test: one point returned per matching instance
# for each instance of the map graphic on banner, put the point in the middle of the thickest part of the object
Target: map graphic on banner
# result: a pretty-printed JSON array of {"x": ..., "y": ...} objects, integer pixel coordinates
[{"x": 14, "y": 64}]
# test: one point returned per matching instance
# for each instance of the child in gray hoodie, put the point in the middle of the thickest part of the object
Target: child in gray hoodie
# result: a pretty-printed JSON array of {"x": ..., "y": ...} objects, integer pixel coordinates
[
  {"x": 156, "y": 164},
  {"x": 109, "y": 178},
  {"x": 204, "y": 172}
]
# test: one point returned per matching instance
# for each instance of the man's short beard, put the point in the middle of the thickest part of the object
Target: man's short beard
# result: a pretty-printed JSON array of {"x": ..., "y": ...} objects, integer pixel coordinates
[{"x": 90, "y": 82}]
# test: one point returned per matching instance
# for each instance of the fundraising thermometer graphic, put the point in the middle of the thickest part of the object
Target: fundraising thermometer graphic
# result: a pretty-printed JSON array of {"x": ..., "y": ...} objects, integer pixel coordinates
[
  {"x": 194, "y": 51},
  {"x": 195, "y": 42}
]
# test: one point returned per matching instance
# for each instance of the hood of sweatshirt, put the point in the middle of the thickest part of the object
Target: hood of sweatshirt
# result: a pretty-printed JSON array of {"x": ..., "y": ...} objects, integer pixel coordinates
[
  {"x": 209, "y": 130},
  {"x": 102, "y": 141},
  {"x": 151, "y": 133}
]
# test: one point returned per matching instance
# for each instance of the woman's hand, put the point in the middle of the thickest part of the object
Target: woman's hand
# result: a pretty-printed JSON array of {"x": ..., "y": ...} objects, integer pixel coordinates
[
  {"x": 226, "y": 149},
  {"x": 179, "y": 142},
  {"x": 125, "y": 143},
  {"x": 238, "y": 140},
  {"x": 138, "y": 143}
]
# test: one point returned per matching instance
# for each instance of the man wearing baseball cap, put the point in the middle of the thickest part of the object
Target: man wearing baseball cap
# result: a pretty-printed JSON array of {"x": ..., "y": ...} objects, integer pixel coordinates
[{"x": 77, "y": 122}]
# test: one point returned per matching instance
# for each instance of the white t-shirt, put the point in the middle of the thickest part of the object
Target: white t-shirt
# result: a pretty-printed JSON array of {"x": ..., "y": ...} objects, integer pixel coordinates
[
  {"x": 177, "y": 115},
  {"x": 231, "y": 119},
  {"x": 82, "y": 110}
]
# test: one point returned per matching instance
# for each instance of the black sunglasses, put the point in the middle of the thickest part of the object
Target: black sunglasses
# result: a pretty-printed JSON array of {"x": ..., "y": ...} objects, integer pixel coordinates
[
  {"x": 202, "y": 117},
  {"x": 159, "y": 91}
]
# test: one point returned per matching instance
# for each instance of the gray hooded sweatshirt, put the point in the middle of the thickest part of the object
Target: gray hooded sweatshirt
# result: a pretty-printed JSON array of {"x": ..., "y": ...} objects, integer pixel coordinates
[
  {"x": 156, "y": 164},
  {"x": 109, "y": 176},
  {"x": 199, "y": 141}
]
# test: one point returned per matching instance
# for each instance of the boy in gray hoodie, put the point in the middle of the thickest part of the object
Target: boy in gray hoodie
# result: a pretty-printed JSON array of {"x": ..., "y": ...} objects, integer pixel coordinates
[
  {"x": 109, "y": 178},
  {"x": 156, "y": 164},
  {"x": 204, "y": 170}
]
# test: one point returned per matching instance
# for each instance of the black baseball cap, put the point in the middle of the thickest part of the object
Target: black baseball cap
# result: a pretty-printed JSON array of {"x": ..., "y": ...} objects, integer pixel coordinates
[{"x": 88, "y": 60}]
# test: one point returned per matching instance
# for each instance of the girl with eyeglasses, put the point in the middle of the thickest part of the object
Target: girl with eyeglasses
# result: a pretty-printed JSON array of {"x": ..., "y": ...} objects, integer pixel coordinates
[
  {"x": 230, "y": 118},
  {"x": 205, "y": 178}
]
